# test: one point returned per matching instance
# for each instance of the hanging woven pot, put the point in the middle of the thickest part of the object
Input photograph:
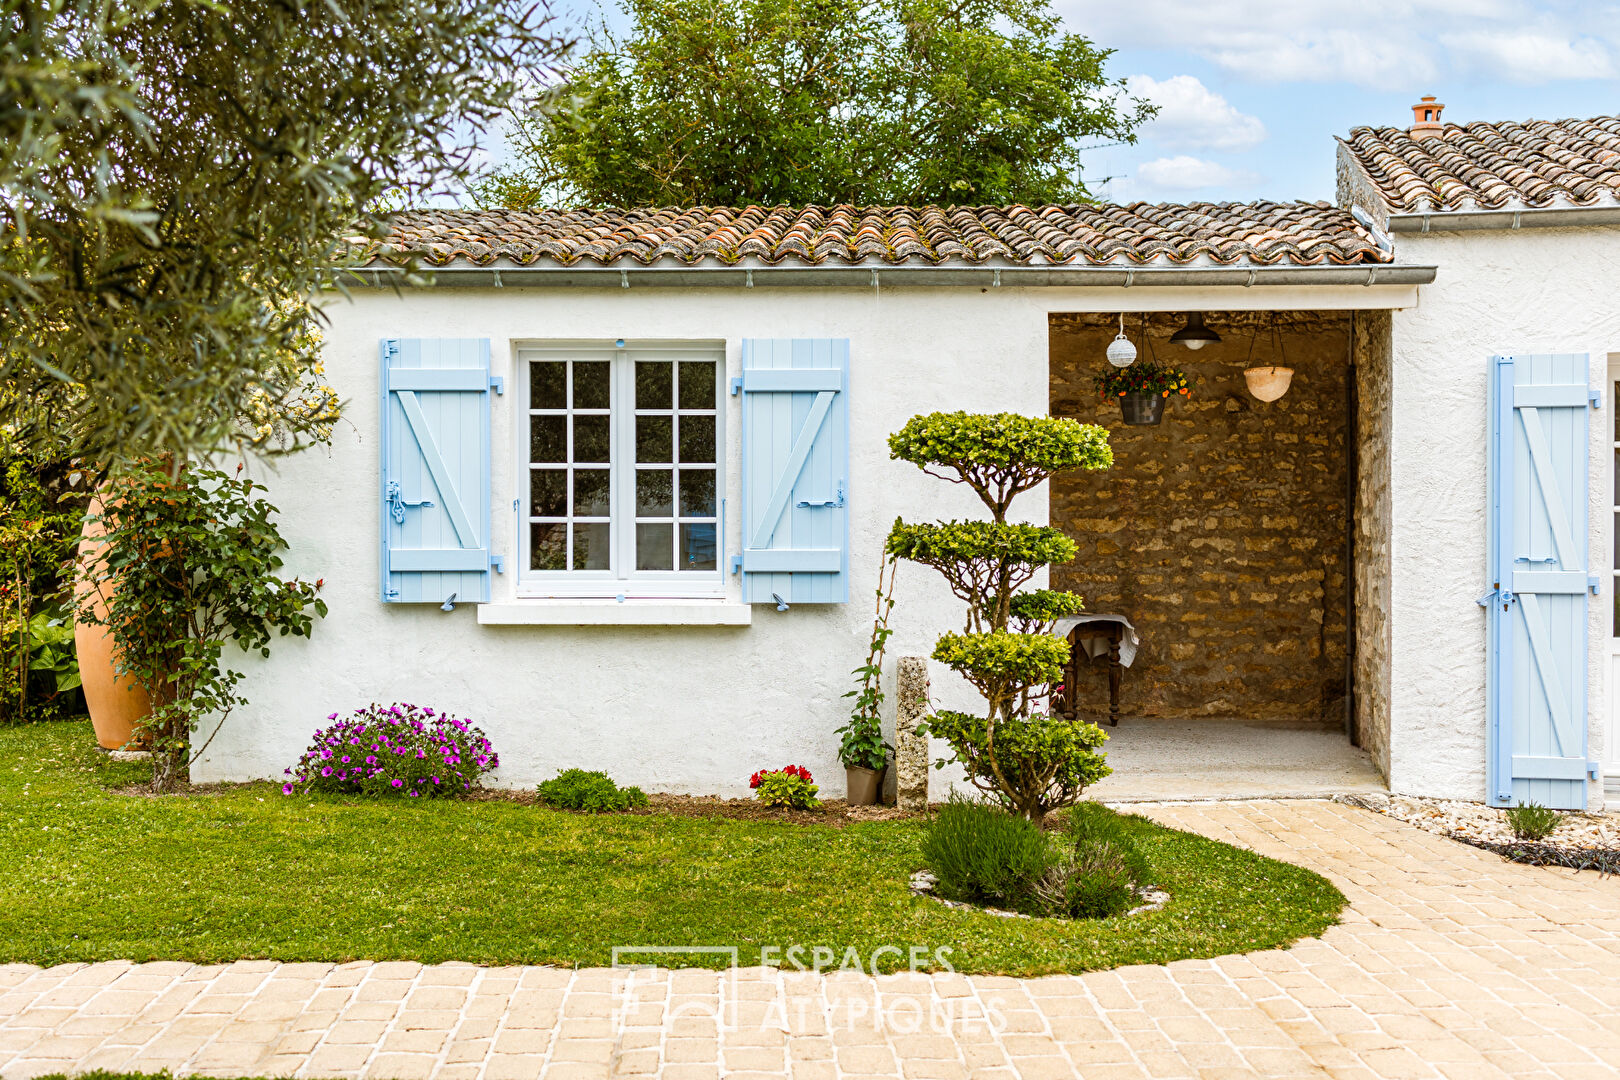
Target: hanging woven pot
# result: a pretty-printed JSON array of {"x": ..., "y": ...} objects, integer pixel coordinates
[{"x": 1268, "y": 383}]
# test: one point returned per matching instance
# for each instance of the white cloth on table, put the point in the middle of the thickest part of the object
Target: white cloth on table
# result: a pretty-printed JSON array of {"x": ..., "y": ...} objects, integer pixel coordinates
[{"x": 1095, "y": 644}]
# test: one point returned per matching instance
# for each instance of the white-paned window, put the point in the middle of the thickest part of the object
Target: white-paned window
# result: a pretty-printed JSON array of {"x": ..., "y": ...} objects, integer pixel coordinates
[{"x": 623, "y": 470}]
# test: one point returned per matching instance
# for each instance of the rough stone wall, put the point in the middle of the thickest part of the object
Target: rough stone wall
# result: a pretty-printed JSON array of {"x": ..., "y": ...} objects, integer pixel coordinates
[
  {"x": 1221, "y": 532},
  {"x": 1373, "y": 527}
]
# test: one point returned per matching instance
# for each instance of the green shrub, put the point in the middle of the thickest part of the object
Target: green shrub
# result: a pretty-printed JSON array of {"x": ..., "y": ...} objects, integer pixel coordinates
[
  {"x": 790, "y": 787},
  {"x": 593, "y": 792},
  {"x": 1097, "y": 867},
  {"x": 981, "y": 854},
  {"x": 1089, "y": 882},
  {"x": 1532, "y": 821},
  {"x": 1091, "y": 824}
]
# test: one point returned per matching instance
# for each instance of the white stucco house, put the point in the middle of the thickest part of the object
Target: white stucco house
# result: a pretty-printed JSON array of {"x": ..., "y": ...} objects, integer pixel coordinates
[{"x": 616, "y": 483}]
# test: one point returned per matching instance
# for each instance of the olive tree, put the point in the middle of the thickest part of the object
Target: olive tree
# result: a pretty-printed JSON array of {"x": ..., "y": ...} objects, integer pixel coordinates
[
  {"x": 181, "y": 177},
  {"x": 1015, "y": 750}
]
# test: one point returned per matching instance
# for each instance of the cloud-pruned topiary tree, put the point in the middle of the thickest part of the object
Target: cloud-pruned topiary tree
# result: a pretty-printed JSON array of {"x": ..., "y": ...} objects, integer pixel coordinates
[{"x": 1016, "y": 751}]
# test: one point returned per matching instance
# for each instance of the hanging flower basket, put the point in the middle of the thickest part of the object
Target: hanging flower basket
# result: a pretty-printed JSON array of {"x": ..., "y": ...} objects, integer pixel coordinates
[
  {"x": 1142, "y": 389},
  {"x": 1142, "y": 407}
]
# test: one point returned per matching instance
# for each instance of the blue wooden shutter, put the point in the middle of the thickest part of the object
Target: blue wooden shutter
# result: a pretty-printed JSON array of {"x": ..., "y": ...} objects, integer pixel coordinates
[
  {"x": 1537, "y": 666},
  {"x": 795, "y": 463},
  {"x": 435, "y": 470}
]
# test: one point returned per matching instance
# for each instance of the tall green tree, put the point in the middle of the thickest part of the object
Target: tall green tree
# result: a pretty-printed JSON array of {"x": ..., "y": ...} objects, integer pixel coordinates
[
  {"x": 180, "y": 178},
  {"x": 819, "y": 101}
]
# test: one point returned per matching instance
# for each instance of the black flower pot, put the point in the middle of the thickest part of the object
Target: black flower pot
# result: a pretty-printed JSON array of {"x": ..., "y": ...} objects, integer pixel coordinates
[{"x": 1142, "y": 407}]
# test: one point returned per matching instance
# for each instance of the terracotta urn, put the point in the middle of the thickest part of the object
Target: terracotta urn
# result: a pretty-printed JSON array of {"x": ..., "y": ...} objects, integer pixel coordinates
[{"x": 117, "y": 705}]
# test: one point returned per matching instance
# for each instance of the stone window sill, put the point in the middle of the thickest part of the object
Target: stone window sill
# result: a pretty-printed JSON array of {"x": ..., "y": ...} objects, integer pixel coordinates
[{"x": 615, "y": 613}]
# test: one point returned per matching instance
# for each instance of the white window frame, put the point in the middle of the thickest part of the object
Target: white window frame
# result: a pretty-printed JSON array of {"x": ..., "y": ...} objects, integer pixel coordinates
[{"x": 621, "y": 580}]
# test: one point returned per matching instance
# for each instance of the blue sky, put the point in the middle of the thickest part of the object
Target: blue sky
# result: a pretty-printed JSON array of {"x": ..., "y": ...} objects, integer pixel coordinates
[{"x": 1252, "y": 92}]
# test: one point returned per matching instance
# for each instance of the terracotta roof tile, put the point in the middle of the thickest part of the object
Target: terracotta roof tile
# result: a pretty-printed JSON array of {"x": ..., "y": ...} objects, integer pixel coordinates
[
  {"x": 1259, "y": 233},
  {"x": 1481, "y": 166}
]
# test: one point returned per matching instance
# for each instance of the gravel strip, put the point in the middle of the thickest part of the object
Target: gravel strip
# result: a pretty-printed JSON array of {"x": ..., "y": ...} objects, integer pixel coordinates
[{"x": 1580, "y": 842}]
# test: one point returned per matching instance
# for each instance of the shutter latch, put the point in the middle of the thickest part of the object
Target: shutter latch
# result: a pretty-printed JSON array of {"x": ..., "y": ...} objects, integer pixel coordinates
[
  {"x": 449, "y": 603},
  {"x": 1490, "y": 597},
  {"x": 781, "y": 604},
  {"x": 397, "y": 503}
]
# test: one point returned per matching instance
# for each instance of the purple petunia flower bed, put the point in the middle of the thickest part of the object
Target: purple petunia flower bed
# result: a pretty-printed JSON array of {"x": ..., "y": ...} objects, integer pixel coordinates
[{"x": 404, "y": 750}]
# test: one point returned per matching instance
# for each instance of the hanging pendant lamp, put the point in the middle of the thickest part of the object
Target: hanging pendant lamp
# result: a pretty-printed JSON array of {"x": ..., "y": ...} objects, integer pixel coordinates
[{"x": 1195, "y": 335}]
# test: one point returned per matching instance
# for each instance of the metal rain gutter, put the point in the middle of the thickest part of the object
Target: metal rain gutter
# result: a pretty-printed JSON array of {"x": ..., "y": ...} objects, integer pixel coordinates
[
  {"x": 1546, "y": 217},
  {"x": 748, "y": 277}
]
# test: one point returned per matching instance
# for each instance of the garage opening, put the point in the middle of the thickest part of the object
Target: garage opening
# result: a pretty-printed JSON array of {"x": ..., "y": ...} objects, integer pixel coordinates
[{"x": 1231, "y": 536}]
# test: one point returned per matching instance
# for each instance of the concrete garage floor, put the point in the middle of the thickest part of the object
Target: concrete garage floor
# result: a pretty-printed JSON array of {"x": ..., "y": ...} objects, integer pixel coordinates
[{"x": 1160, "y": 759}]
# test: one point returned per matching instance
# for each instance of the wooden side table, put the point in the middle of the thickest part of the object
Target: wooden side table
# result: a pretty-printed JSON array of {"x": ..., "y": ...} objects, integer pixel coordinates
[{"x": 1112, "y": 629}]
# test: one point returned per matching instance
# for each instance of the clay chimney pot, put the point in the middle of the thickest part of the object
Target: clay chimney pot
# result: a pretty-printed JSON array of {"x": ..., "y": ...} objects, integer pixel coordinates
[{"x": 1426, "y": 119}]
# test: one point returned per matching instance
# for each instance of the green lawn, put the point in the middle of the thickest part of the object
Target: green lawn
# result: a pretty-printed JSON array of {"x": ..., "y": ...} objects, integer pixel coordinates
[{"x": 249, "y": 872}]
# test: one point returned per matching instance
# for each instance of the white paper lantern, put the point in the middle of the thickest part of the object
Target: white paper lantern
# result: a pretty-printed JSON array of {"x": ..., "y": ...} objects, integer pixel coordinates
[{"x": 1121, "y": 353}]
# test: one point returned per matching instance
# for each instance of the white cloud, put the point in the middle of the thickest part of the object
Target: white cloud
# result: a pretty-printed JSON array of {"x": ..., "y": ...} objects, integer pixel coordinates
[
  {"x": 1533, "y": 57},
  {"x": 1193, "y": 117},
  {"x": 1186, "y": 173},
  {"x": 1377, "y": 43}
]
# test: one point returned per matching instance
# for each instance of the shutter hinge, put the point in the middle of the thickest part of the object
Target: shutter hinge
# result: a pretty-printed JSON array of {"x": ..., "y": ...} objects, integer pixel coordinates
[
  {"x": 736, "y": 386},
  {"x": 497, "y": 383},
  {"x": 1594, "y": 582},
  {"x": 1595, "y": 398},
  {"x": 392, "y": 345},
  {"x": 1594, "y": 770},
  {"x": 498, "y": 563},
  {"x": 736, "y": 564},
  {"x": 392, "y": 594}
]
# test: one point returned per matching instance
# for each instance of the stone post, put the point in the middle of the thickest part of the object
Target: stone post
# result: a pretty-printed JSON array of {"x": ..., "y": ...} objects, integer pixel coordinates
[{"x": 911, "y": 749}]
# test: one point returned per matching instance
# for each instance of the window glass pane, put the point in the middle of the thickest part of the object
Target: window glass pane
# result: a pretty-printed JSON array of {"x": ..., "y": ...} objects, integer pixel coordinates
[
  {"x": 591, "y": 546},
  {"x": 1617, "y": 474},
  {"x": 1615, "y": 404},
  {"x": 697, "y": 492},
  {"x": 548, "y": 385},
  {"x": 591, "y": 438},
  {"x": 655, "y": 547},
  {"x": 697, "y": 384},
  {"x": 697, "y": 547},
  {"x": 591, "y": 493},
  {"x": 548, "y": 494},
  {"x": 590, "y": 384},
  {"x": 653, "y": 440},
  {"x": 697, "y": 438},
  {"x": 547, "y": 546},
  {"x": 653, "y": 390},
  {"x": 548, "y": 439},
  {"x": 654, "y": 493}
]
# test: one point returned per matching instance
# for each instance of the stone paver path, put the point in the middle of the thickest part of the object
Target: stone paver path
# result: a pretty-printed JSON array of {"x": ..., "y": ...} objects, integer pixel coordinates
[{"x": 1449, "y": 963}]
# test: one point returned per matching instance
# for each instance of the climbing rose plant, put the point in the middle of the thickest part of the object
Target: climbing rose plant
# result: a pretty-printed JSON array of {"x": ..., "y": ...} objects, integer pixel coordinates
[
  {"x": 1015, "y": 750},
  {"x": 404, "y": 750}
]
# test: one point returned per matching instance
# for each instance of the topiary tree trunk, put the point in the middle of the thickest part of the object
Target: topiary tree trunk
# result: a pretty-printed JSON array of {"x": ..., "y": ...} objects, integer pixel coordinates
[{"x": 1016, "y": 751}]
